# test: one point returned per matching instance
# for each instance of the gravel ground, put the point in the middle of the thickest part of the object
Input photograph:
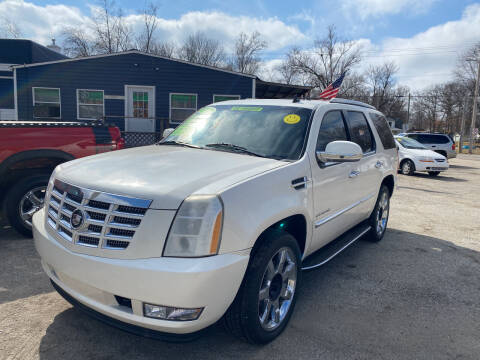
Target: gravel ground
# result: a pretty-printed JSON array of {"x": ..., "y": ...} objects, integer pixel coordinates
[{"x": 415, "y": 295}]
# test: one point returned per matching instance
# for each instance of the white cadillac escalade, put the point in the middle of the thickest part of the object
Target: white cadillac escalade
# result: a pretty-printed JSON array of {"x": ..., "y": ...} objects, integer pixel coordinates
[{"x": 219, "y": 219}]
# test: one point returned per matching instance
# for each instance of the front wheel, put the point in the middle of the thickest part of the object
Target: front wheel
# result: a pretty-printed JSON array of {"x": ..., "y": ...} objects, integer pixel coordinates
[
  {"x": 266, "y": 299},
  {"x": 407, "y": 167},
  {"x": 24, "y": 199},
  {"x": 379, "y": 218}
]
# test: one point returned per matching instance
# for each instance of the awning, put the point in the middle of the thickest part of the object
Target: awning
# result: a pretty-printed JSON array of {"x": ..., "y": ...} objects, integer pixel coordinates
[{"x": 272, "y": 90}]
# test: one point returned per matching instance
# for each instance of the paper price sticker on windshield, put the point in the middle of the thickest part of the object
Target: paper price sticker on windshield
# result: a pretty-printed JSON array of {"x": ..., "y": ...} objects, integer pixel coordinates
[{"x": 291, "y": 119}]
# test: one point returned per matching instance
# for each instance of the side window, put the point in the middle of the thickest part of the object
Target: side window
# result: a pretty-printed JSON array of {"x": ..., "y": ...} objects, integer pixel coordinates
[
  {"x": 331, "y": 129},
  {"x": 359, "y": 131},
  {"x": 383, "y": 130}
]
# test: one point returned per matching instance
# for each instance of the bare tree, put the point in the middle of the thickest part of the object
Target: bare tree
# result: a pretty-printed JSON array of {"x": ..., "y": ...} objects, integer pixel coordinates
[
  {"x": 200, "y": 49},
  {"x": 76, "y": 42},
  {"x": 246, "y": 58},
  {"x": 380, "y": 80},
  {"x": 145, "y": 39},
  {"x": 8, "y": 29},
  {"x": 111, "y": 32},
  {"x": 466, "y": 70},
  {"x": 166, "y": 49},
  {"x": 329, "y": 58}
]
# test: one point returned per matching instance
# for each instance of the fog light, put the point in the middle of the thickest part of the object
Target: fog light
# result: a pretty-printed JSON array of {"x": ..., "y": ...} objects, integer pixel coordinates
[{"x": 170, "y": 313}]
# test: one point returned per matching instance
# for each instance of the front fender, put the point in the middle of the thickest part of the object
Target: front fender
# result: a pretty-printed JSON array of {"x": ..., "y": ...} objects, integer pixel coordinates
[{"x": 255, "y": 204}]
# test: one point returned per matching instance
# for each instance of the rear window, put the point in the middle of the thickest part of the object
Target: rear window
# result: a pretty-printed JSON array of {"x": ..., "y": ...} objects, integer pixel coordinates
[
  {"x": 383, "y": 130},
  {"x": 430, "y": 138},
  {"x": 359, "y": 131}
]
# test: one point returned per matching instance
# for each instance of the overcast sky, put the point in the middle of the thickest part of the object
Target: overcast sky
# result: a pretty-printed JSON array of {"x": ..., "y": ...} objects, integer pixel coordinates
[{"x": 424, "y": 37}]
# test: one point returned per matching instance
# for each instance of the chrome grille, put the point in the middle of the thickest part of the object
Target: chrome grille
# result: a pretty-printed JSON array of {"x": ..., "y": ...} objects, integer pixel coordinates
[
  {"x": 440, "y": 160},
  {"x": 109, "y": 221}
]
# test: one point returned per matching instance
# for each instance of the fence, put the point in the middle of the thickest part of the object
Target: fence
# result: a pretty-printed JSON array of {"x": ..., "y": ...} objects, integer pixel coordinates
[{"x": 141, "y": 138}]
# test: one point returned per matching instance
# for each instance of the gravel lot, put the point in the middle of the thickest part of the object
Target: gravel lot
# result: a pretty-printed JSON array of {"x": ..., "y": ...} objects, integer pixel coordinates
[{"x": 415, "y": 295}]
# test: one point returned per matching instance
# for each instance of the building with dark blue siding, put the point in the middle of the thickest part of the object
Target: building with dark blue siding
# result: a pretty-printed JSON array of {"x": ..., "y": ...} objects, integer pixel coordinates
[
  {"x": 139, "y": 92},
  {"x": 15, "y": 52}
]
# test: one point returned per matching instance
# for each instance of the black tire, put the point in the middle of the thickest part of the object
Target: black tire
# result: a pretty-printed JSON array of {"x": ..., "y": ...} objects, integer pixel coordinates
[
  {"x": 14, "y": 198},
  {"x": 375, "y": 235},
  {"x": 242, "y": 319},
  {"x": 433, "y": 173},
  {"x": 407, "y": 167}
]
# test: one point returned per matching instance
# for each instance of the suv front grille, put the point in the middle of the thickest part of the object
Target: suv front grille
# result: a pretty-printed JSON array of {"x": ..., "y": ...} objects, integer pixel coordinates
[{"x": 101, "y": 220}]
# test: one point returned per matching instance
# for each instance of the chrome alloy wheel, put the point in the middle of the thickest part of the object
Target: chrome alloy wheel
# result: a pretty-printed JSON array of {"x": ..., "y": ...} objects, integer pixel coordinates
[
  {"x": 30, "y": 203},
  {"x": 277, "y": 289},
  {"x": 406, "y": 168},
  {"x": 382, "y": 213}
]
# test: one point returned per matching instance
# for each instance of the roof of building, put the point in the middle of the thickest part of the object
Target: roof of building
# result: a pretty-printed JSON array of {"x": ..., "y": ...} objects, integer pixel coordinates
[
  {"x": 131, "y": 52},
  {"x": 19, "y": 51}
]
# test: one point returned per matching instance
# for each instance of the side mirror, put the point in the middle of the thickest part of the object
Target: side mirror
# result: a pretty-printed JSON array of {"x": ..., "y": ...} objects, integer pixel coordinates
[
  {"x": 167, "y": 132},
  {"x": 340, "y": 151}
]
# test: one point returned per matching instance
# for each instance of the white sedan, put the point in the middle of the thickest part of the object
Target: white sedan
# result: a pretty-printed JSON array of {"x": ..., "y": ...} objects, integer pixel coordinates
[{"x": 414, "y": 156}]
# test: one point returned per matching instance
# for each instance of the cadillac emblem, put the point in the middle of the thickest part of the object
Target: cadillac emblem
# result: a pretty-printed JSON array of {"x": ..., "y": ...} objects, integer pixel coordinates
[{"x": 77, "y": 219}]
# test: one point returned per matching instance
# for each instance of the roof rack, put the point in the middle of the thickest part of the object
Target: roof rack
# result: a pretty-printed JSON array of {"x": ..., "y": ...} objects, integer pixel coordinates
[{"x": 352, "y": 102}]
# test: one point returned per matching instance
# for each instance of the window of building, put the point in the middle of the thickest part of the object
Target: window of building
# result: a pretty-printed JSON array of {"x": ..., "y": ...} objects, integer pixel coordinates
[
  {"x": 218, "y": 98},
  {"x": 90, "y": 104},
  {"x": 331, "y": 129},
  {"x": 360, "y": 131},
  {"x": 46, "y": 103},
  {"x": 182, "y": 106}
]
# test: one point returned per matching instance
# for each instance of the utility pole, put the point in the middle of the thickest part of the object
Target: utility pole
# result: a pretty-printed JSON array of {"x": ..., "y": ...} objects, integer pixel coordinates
[
  {"x": 408, "y": 114},
  {"x": 462, "y": 126},
  {"x": 475, "y": 105}
]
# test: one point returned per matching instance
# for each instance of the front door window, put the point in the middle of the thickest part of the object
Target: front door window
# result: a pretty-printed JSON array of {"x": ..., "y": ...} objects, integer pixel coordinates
[{"x": 140, "y": 104}]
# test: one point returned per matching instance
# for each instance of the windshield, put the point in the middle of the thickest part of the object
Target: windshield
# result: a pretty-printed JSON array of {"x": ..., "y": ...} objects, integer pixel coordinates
[
  {"x": 409, "y": 143},
  {"x": 269, "y": 131}
]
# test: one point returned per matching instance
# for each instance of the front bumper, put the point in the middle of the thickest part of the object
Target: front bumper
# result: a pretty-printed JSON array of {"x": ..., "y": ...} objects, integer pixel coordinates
[
  {"x": 429, "y": 166},
  {"x": 209, "y": 282}
]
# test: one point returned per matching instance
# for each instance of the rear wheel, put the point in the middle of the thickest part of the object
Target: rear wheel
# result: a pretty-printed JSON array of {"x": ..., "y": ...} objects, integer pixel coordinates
[
  {"x": 24, "y": 199},
  {"x": 433, "y": 173},
  {"x": 379, "y": 218},
  {"x": 407, "y": 167},
  {"x": 266, "y": 299}
]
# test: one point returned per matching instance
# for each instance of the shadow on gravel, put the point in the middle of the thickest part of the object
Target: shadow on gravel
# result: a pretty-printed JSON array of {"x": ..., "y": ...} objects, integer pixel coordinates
[
  {"x": 400, "y": 298},
  {"x": 453, "y": 166},
  {"x": 21, "y": 273},
  {"x": 440, "y": 177}
]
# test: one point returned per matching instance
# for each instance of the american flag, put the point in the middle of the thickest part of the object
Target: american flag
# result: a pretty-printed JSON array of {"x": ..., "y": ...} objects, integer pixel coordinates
[{"x": 331, "y": 90}]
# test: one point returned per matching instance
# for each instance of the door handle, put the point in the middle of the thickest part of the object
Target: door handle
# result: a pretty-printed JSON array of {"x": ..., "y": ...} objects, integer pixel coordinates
[
  {"x": 379, "y": 164},
  {"x": 354, "y": 174}
]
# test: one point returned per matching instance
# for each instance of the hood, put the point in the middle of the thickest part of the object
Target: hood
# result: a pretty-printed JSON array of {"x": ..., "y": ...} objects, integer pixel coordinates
[
  {"x": 423, "y": 152},
  {"x": 165, "y": 174}
]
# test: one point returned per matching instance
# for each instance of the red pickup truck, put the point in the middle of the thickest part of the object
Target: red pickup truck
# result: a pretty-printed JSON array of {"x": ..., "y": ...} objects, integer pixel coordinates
[{"x": 29, "y": 151}]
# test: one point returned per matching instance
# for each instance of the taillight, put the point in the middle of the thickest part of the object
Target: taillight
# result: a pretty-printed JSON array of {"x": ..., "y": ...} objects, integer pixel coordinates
[
  {"x": 120, "y": 143},
  {"x": 453, "y": 146}
]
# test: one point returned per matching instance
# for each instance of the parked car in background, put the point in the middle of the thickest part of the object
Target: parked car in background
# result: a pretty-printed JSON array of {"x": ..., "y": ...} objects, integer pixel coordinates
[
  {"x": 440, "y": 143},
  {"x": 29, "y": 151},
  {"x": 414, "y": 156},
  {"x": 217, "y": 219}
]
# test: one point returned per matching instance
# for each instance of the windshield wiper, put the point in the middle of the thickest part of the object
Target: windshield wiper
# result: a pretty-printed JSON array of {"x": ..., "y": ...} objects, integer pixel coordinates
[
  {"x": 171, "y": 142},
  {"x": 235, "y": 148}
]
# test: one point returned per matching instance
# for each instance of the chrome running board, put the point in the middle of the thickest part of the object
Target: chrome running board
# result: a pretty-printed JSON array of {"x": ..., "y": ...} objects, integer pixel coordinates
[{"x": 332, "y": 249}]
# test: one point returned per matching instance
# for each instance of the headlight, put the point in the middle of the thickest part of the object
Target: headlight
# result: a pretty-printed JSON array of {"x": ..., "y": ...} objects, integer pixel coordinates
[
  {"x": 197, "y": 228},
  {"x": 425, "y": 159}
]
